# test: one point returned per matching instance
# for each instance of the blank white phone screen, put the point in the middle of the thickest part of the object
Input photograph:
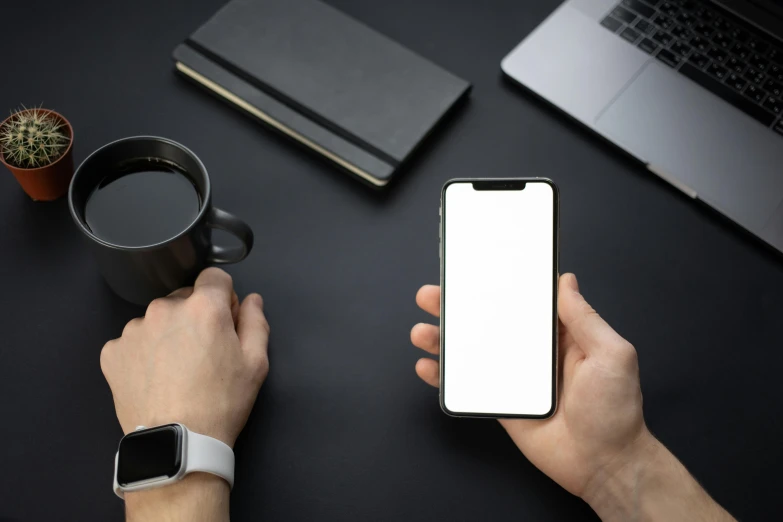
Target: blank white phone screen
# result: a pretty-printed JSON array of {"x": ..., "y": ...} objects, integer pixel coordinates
[{"x": 498, "y": 309}]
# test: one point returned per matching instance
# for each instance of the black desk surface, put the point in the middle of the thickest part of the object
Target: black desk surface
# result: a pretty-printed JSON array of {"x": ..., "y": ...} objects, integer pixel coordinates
[{"x": 343, "y": 429}]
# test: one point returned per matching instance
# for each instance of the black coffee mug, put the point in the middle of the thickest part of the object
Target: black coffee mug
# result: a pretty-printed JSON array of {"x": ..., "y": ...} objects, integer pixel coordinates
[{"x": 140, "y": 274}]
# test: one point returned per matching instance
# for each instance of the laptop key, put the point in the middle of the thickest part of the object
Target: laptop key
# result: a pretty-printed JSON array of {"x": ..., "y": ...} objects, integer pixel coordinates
[
  {"x": 735, "y": 82},
  {"x": 680, "y": 32},
  {"x": 703, "y": 13},
  {"x": 648, "y": 46},
  {"x": 701, "y": 44},
  {"x": 630, "y": 34},
  {"x": 680, "y": 48},
  {"x": 687, "y": 19},
  {"x": 664, "y": 22},
  {"x": 727, "y": 94},
  {"x": 717, "y": 71},
  {"x": 663, "y": 38},
  {"x": 755, "y": 94},
  {"x": 702, "y": 29},
  {"x": 624, "y": 15},
  {"x": 776, "y": 71},
  {"x": 739, "y": 35},
  {"x": 645, "y": 27},
  {"x": 722, "y": 25},
  {"x": 774, "y": 88},
  {"x": 741, "y": 51},
  {"x": 669, "y": 8},
  {"x": 779, "y": 127},
  {"x": 775, "y": 105},
  {"x": 757, "y": 45},
  {"x": 640, "y": 7},
  {"x": 698, "y": 60},
  {"x": 735, "y": 65},
  {"x": 722, "y": 40},
  {"x": 668, "y": 57},
  {"x": 717, "y": 54},
  {"x": 611, "y": 23},
  {"x": 776, "y": 55},
  {"x": 755, "y": 76},
  {"x": 759, "y": 62}
]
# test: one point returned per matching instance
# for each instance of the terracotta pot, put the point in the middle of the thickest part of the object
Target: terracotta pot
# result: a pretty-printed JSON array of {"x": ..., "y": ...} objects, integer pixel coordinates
[{"x": 50, "y": 182}]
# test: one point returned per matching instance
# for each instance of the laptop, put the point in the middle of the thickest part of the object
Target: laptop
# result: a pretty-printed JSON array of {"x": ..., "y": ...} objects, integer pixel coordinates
[{"x": 692, "y": 88}]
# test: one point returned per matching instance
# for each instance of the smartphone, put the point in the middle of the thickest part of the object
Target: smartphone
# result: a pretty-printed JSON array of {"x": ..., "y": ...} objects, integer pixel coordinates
[{"x": 499, "y": 273}]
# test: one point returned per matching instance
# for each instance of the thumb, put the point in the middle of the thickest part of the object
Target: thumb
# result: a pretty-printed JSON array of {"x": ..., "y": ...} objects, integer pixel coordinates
[
  {"x": 584, "y": 324},
  {"x": 253, "y": 332}
]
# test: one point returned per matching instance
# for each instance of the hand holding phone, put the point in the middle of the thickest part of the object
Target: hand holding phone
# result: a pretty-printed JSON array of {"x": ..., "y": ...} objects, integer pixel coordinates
[{"x": 598, "y": 426}]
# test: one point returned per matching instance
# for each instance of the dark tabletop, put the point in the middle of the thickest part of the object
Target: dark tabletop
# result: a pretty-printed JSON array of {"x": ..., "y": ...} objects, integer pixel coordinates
[{"x": 343, "y": 429}]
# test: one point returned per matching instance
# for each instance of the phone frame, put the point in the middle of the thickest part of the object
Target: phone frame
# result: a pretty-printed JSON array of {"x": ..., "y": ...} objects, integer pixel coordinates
[{"x": 501, "y": 184}]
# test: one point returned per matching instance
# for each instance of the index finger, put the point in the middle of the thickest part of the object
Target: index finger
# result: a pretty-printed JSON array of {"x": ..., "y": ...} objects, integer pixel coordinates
[{"x": 217, "y": 284}]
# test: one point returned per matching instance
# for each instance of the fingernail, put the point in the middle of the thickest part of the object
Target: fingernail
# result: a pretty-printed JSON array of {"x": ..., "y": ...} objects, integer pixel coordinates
[
  {"x": 572, "y": 282},
  {"x": 257, "y": 300}
]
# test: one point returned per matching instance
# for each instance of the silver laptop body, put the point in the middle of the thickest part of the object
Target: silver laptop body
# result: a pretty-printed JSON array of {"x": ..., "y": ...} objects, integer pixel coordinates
[{"x": 694, "y": 139}]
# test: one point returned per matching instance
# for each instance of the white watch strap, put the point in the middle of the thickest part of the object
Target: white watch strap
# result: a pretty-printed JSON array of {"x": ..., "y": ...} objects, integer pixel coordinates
[
  {"x": 210, "y": 456},
  {"x": 115, "y": 486}
]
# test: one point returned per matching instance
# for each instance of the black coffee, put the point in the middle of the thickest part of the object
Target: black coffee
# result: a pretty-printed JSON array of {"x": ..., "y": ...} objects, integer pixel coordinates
[{"x": 142, "y": 202}]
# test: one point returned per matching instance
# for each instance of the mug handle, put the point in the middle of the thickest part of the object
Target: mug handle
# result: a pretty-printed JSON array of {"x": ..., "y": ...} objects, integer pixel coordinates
[{"x": 222, "y": 220}]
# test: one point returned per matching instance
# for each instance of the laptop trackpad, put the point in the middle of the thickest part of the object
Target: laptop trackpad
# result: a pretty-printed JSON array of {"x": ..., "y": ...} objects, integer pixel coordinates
[{"x": 730, "y": 160}]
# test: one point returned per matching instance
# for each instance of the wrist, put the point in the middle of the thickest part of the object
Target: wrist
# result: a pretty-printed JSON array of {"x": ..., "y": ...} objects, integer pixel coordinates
[
  {"x": 619, "y": 480},
  {"x": 649, "y": 483},
  {"x": 197, "y": 497}
]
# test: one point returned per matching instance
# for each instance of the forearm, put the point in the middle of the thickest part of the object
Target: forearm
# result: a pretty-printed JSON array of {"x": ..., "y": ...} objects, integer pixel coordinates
[
  {"x": 652, "y": 486},
  {"x": 200, "y": 497}
]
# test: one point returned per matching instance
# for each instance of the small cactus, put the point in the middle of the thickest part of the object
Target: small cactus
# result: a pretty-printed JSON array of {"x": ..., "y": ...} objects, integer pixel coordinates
[{"x": 33, "y": 138}]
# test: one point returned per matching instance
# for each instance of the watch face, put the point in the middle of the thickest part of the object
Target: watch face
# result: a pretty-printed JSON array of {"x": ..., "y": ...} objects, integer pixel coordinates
[{"x": 148, "y": 454}]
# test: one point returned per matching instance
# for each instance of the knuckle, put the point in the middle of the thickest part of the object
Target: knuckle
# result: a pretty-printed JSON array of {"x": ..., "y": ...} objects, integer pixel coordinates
[
  {"x": 106, "y": 354},
  {"x": 208, "y": 310},
  {"x": 260, "y": 366},
  {"x": 159, "y": 306},
  {"x": 132, "y": 325},
  {"x": 266, "y": 327}
]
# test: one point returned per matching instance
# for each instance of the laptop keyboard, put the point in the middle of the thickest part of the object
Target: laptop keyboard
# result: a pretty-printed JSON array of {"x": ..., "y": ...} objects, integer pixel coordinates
[{"x": 712, "y": 47}]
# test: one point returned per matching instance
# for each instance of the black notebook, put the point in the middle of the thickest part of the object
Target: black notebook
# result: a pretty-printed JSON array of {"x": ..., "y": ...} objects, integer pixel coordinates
[{"x": 330, "y": 82}]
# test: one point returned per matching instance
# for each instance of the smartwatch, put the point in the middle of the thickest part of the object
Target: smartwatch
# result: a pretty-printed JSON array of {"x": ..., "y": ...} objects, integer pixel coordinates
[{"x": 154, "y": 457}]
